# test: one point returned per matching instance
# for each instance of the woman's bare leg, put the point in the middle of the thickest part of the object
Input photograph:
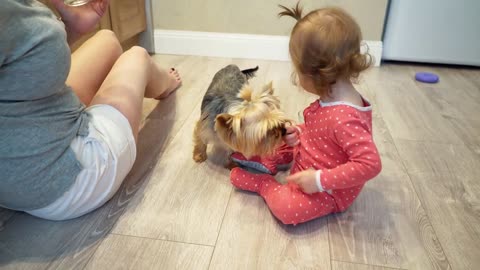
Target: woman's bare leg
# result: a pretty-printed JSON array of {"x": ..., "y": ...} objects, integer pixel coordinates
[
  {"x": 92, "y": 62},
  {"x": 134, "y": 76}
]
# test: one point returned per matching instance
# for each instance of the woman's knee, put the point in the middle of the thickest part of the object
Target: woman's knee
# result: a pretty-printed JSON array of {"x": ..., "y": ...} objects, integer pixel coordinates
[
  {"x": 139, "y": 52},
  {"x": 109, "y": 40},
  {"x": 138, "y": 57}
]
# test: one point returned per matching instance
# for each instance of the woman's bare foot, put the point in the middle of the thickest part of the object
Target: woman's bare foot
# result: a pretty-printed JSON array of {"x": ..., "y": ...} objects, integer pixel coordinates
[{"x": 174, "y": 84}]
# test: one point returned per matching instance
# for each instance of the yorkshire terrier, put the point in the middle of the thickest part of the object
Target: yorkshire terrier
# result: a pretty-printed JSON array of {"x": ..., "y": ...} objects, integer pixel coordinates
[{"x": 237, "y": 118}]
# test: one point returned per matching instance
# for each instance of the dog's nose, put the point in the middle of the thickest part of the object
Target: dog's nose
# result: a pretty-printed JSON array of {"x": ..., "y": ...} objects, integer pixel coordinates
[{"x": 284, "y": 131}]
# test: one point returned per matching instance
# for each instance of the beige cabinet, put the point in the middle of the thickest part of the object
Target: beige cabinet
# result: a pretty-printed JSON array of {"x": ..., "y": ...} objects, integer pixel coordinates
[
  {"x": 124, "y": 17},
  {"x": 127, "y": 18}
]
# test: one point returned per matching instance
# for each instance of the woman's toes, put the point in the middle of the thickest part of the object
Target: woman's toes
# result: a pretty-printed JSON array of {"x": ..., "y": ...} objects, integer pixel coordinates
[{"x": 175, "y": 83}]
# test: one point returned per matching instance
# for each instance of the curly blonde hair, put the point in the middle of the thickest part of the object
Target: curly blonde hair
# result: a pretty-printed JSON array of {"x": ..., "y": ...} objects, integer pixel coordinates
[{"x": 325, "y": 46}]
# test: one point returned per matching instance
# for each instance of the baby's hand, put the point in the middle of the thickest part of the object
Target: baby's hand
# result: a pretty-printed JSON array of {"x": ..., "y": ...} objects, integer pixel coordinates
[
  {"x": 306, "y": 180},
  {"x": 291, "y": 136}
]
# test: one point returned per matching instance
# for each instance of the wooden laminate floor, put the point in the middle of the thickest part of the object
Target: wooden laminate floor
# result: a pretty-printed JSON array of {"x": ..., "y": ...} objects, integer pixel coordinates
[{"x": 422, "y": 212}]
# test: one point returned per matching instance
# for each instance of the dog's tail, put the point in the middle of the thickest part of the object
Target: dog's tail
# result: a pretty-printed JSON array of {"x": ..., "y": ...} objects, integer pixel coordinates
[{"x": 250, "y": 73}]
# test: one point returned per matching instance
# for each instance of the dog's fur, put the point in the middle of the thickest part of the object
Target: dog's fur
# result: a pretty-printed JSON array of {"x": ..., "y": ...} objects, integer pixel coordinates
[{"x": 237, "y": 118}]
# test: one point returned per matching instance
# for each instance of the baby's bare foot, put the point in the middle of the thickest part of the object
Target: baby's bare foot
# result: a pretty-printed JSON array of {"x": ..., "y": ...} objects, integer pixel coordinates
[{"x": 174, "y": 84}]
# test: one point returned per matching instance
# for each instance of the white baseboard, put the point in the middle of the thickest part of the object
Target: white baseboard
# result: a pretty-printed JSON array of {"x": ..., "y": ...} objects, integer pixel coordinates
[{"x": 233, "y": 45}]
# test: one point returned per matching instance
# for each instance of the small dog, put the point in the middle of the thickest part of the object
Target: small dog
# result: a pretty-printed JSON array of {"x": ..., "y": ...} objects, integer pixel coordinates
[{"x": 236, "y": 118}]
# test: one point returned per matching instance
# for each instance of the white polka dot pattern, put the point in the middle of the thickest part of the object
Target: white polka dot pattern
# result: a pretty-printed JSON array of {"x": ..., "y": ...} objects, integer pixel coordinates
[{"x": 336, "y": 140}]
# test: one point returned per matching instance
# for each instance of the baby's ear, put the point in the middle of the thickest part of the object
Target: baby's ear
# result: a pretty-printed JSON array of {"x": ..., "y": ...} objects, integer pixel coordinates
[
  {"x": 268, "y": 88},
  {"x": 223, "y": 121}
]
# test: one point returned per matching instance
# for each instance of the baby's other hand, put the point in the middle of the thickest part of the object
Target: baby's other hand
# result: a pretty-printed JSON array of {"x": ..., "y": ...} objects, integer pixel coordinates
[
  {"x": 306, "y": 181},
  {"x": 291, "y": 136}
]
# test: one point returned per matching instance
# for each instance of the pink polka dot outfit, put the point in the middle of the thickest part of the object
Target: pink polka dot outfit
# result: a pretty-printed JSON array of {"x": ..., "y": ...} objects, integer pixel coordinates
[{"x": 336, "y": 140}]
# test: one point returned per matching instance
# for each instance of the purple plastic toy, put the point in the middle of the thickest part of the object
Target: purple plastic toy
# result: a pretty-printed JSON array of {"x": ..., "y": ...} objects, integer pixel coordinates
[{"x": 426, "y": 77}]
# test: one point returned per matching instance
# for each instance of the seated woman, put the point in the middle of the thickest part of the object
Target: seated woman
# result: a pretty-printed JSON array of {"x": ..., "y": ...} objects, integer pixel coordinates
[{"x": 68, "y": 122}]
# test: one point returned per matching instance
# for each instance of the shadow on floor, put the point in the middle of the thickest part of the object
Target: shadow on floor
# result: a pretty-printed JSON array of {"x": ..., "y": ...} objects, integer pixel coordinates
[{"x": 26, "y": 241}]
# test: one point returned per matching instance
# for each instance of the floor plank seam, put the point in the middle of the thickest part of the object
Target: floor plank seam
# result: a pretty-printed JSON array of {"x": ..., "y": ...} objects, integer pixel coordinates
[
  {"x": 329, "y": 218},
  {"x": 182, "y": 124},
  {"x": 167, "y": 143},
  {"x": 429, "y": 141},
  {"x": 157, "y": 239},
  {"x": 105, "y": 235},
  {"x": 421, "y": 203},
  {"x": 4, "y": 223},
  {"x": 374, "y": 265},
  {"x": 432, "y": 129},
  {"x": 93, "y": 254},
  {"x": 220, "y": 229}
]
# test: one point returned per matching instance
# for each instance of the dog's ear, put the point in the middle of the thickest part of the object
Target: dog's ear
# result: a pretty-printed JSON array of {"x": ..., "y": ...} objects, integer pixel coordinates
[
  {"x": 223, "y": 121},
  {"x": 268, "y": 88}
]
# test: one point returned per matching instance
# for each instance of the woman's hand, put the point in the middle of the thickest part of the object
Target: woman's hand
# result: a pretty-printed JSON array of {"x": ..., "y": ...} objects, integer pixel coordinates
[
  {"x": 305, "y": 180},
  {"x": 291, "y": 136},
  {"x": 80, "y": 20}
]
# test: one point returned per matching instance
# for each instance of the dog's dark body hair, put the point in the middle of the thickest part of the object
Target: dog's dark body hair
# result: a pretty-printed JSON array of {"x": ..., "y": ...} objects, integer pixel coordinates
[
  {"x": 223, "y": 91},
  {"x": 234, "y": 117}
]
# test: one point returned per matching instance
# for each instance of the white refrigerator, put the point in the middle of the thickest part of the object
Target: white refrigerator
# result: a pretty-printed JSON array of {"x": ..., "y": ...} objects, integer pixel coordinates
[{"x": 433, "y": 31}]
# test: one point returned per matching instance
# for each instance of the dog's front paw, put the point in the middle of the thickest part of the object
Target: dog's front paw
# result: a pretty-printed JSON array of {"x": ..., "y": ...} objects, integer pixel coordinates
[{"x": 199, "y": 157}]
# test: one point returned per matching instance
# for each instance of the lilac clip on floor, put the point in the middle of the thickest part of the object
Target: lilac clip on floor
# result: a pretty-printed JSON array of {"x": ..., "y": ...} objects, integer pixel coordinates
[{"x": 426, "y": 77}]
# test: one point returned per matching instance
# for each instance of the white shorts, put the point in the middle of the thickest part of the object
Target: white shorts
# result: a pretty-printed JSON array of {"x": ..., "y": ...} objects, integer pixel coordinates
[{"x": 107, "y": 154}]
